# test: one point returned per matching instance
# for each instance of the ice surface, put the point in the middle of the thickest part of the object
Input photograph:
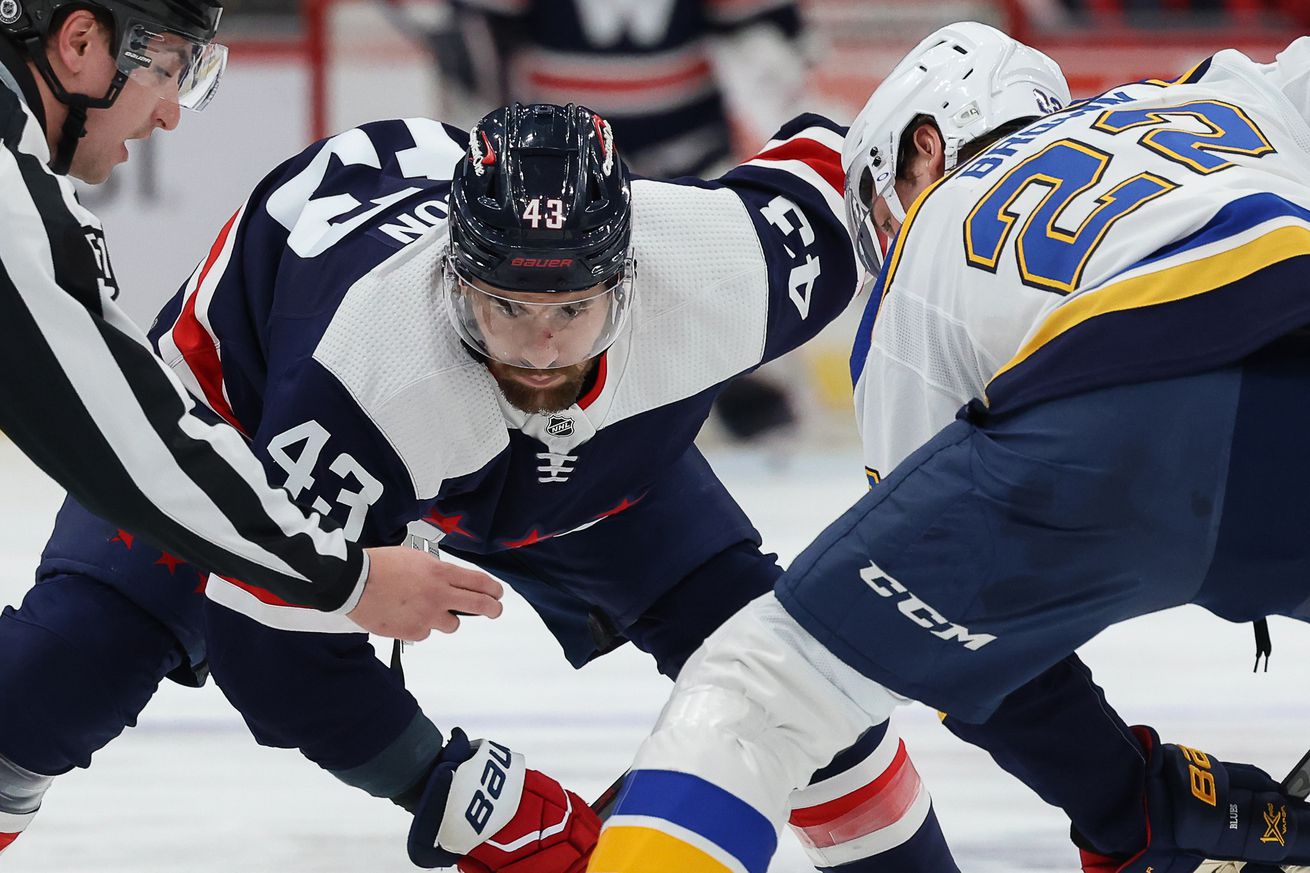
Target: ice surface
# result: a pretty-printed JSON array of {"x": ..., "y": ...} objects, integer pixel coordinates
[{"x": 188, "y": 791}]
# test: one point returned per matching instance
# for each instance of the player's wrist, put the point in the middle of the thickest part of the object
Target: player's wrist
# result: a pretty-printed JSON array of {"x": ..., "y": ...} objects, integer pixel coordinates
[
  {"x": 483, "y": 809},
  {"x": 472, "y": 792}
]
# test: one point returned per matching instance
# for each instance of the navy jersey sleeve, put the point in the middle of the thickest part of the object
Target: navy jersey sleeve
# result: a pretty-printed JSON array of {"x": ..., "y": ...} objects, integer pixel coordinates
[
  {"x": 793, "y": 190},
  {"x": 324, "y": 693},
  {"x": 291, "y": 686},
  {"x": 241, "y": 333}
]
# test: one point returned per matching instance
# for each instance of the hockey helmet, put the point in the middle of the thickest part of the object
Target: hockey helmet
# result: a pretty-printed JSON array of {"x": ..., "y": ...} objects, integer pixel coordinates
[
  {"x": 967, "y": 77},
  {"x": 165, "y": 45},
  {"x": 540, "y": 225}
]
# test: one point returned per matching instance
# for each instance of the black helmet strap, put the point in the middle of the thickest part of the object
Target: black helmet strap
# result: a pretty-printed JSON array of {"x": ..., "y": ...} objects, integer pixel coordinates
[{"x": 74, "y": 127}]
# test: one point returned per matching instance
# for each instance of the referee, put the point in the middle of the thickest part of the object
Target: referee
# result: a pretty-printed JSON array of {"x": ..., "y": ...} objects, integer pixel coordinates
[{"x": 81, "y": 392}]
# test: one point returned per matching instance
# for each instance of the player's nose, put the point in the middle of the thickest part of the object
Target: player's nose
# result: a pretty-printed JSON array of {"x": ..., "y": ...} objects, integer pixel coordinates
[
  {"x": 543, "y": 351},
  {"x": 168, "y": 114}
]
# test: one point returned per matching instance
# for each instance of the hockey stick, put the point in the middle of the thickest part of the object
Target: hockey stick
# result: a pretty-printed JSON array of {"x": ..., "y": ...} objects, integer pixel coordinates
[
  {"x": 604, "y": 805},
  {"x": 1297, "y": 783}
]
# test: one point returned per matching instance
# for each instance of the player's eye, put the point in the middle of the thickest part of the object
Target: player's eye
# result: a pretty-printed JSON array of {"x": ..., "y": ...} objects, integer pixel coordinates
[
  {"x": 573, "y": 310},
  {"x": 866, "y": 188},
  {"x": 506, "y": 308}
]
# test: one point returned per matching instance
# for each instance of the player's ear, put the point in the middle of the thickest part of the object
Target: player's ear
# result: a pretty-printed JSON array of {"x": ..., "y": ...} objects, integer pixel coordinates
[
  {"x": 77, "y": 38},
  {"x": 928, "y": 157},
  {"x": 930, "y": 150}
]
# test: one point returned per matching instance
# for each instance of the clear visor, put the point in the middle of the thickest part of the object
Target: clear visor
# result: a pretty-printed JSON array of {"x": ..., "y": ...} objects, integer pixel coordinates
[
  {"x": 861, "y": 192},
  {"x": 532, "y": 330},
  {"x": 174, "y": 67}
]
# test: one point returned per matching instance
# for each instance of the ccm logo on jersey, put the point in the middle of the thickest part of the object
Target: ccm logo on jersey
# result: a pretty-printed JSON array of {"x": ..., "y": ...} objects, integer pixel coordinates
[
  {"x": 921, "y": 613},
  {"x": 542, "y": 262}
]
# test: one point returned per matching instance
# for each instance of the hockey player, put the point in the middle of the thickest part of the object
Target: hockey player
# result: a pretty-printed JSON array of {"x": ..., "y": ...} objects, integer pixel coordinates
[
  {"x": 654, "y": 69},
  {"x": 1120, "y": 302},
  {"x": 665, "y": 74},
  {"x": 81, "y": 394},
  {"x": 519, "y": 357}
]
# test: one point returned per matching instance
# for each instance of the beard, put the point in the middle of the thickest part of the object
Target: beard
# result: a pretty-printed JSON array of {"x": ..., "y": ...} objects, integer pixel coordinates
[{"x": 535, "y": 401}]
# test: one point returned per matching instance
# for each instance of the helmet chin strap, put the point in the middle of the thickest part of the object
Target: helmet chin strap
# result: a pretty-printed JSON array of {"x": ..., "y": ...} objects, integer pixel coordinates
[{"x": 74, "y": 127}]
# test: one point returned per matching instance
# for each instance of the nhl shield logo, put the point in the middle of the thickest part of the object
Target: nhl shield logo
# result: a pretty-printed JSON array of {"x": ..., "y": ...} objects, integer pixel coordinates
[
  {"x": 10, "y": 11},
  {"x": 559, "y": 426}
]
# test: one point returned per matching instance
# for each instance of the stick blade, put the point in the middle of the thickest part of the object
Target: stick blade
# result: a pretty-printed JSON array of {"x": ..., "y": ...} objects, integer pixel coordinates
[
  {"x": 604, "y": 805},
  {"x": 1297, "y": 783}
]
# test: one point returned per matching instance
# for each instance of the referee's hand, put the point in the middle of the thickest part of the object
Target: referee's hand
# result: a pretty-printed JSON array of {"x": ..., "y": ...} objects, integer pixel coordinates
[{"x": 410, "y": 593}]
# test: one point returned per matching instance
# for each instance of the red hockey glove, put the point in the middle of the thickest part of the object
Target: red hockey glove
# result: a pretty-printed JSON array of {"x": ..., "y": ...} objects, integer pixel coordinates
[
  {"x": 484, "y": 810},
  {"x": 1199, "y": 809}
]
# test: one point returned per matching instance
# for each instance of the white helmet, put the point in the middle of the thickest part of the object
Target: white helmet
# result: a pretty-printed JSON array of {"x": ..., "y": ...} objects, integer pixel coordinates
[{"x": 970, "y": 79}]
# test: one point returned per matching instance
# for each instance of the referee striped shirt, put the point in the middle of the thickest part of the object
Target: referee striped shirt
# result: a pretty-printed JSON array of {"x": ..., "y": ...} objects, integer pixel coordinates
[{"x": 83, "y": 396}]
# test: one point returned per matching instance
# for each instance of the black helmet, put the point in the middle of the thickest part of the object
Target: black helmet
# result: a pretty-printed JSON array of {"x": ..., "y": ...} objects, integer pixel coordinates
[
  {"x": 539, "y": 272},
  {"x": 195, "y": 19},
  {"x": 176, "y": 35},
  {"x": 542, "y": 202}
]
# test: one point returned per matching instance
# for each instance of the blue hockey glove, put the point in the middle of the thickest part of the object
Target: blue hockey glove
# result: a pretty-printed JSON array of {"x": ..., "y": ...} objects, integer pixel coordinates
[{"x": 1200, "y": 808}]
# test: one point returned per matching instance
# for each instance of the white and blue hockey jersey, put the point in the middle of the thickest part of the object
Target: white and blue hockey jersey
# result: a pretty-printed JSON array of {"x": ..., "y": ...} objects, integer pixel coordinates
[
  {"x": 315, "y": 326},
  {"x": 1159, "y": 229}
]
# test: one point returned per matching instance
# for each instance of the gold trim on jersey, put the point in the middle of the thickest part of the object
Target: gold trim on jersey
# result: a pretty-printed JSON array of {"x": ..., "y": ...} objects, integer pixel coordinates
[
  {"x": 1181, "y": 80},
  {"x": 1166, "y": 286},
  {"x": 901, "y": 236},
  {"x": 912, "y": 214},
  {"x": 1209, "y": 143},
  {"x": 1003, "y": 214}
]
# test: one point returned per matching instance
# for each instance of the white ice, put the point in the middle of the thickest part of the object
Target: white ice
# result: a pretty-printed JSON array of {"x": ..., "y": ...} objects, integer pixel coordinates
[{"x": 188, "y": 791}]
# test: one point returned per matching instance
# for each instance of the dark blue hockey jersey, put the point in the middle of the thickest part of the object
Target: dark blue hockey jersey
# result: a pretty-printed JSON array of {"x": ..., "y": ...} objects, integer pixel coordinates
[
  {"x": 315, "y": 326},
  {"x": 646, "y": 65}
]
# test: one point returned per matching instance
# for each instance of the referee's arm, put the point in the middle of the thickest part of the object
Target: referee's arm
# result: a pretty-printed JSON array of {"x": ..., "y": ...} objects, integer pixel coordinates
[{"x": 84, "y": 397}]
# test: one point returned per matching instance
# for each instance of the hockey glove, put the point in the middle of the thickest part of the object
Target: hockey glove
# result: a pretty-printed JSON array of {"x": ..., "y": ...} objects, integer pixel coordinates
[
  {"x": 485, "y": 811},
  {"x": 1200, "y": 808}
]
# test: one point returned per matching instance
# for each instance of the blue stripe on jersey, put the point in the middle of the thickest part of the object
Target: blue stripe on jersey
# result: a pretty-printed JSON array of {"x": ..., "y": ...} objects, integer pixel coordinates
[
  {"x": 704, "y": 809},
  {"x": 1238, "y": 216}
]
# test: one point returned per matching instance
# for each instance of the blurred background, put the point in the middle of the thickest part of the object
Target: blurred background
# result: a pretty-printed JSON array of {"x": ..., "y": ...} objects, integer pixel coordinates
[
  {"x": 695, "y": 84},
  {"x": 690, "y": 85}
]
